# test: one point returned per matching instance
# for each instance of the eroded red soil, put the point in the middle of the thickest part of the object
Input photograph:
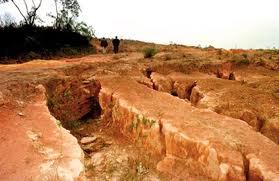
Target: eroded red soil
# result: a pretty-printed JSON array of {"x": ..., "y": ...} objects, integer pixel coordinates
[{"x": 186, "y": 114}]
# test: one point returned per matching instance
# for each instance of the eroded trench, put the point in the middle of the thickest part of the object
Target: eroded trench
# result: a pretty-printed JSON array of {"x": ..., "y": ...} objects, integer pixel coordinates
[
  {"x": 72, "y": 99},
  {"x": 190, "y": 92},
  {"x": 75, "y": 103},
  {"x": 108, "y": 153}
]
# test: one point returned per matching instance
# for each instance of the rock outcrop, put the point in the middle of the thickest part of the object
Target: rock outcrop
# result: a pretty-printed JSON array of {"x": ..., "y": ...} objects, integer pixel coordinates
[
  {"x": 184, "y": 89},
  {"x": 181, "y": 89},
  {"x": 190, "y": 140},
  {"x": 234, "y": 99},
  {"x": 145, "y": 81},
  {"x": 196, "y": 96},
  {"x": 161, "y": 82}
]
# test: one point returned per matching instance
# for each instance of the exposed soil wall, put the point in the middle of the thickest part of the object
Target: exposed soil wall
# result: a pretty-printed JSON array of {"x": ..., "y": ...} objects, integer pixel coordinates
[{"x": 71, "y": 99}]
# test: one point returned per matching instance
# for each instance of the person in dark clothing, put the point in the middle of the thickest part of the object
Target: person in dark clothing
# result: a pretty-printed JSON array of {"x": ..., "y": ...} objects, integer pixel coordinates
[
  {"x": 115, "y": 43},
  {"x": 104, "y": 45}
]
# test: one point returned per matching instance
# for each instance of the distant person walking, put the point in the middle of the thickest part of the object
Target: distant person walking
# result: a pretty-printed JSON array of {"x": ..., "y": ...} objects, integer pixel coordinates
[
  {"x": 115, "y": 43},
  {"x": 104, "y": 45}
]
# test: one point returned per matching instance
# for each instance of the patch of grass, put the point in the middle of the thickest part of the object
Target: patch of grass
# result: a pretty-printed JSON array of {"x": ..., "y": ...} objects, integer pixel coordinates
[
  {"x": 146, "y": 122},
  {"x": 245, "y": 55},
  {"x": 141, "y": 120},
  {"x": 149, "y": 52},
  {"x": 134, "y": 124}
]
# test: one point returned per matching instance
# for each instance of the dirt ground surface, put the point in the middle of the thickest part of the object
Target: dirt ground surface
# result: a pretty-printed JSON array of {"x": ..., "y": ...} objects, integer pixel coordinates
[{"x": 186, "y": 114}]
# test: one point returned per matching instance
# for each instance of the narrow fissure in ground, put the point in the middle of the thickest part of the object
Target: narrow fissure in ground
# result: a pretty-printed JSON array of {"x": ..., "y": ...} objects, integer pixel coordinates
[{"x": 190, "y": 92}]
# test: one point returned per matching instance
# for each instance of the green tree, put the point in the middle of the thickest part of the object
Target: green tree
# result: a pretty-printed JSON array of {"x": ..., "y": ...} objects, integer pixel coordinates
[
  {"x": 84, "y": 29},
  {"x": 67, "y": 12}
]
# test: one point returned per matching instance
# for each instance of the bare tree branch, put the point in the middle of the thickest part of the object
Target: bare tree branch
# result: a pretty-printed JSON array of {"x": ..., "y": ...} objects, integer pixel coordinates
[
  {"x": 56, "y": 8},
  {"x": 34, "y": 13},
  {"x": 57, "y": 14},
  {"x": 26, "y": 7},
  {"x": 3, "y": 1},
  {"x": 19, "y": 11}
]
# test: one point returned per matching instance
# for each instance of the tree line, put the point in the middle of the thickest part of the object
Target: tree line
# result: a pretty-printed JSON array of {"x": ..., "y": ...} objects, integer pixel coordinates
[
  {"x": 65, "y": 15},
  {"x": 29, "y": 39}
]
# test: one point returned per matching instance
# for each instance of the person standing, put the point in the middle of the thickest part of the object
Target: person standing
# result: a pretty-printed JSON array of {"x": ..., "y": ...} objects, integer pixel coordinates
[
  {"x": 115, "y": 43},
  {"x": 104, "y": 45}
]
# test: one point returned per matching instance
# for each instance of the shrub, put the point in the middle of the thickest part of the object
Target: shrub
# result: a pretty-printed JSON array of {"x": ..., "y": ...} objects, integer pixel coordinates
[
  {"x": 240, "y": 59},
  {"x": 149, "y": 52},
  {"x": 245, "y": 55},
  {"x": 25, "y": 43}
]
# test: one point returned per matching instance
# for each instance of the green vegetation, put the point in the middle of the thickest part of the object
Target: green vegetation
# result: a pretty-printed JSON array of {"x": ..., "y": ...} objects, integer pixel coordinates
[
  {"x": 245, "y": 55},
  {"x": 141, "y": 120},
  {"x": 241, "y": 59},
  {"x": 149, "y": 52},
  {"x": 30, "y": 39}
]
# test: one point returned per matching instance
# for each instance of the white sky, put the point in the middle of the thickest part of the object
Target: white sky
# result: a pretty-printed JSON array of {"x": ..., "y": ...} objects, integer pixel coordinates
[{"x": 221, "y": 23}]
